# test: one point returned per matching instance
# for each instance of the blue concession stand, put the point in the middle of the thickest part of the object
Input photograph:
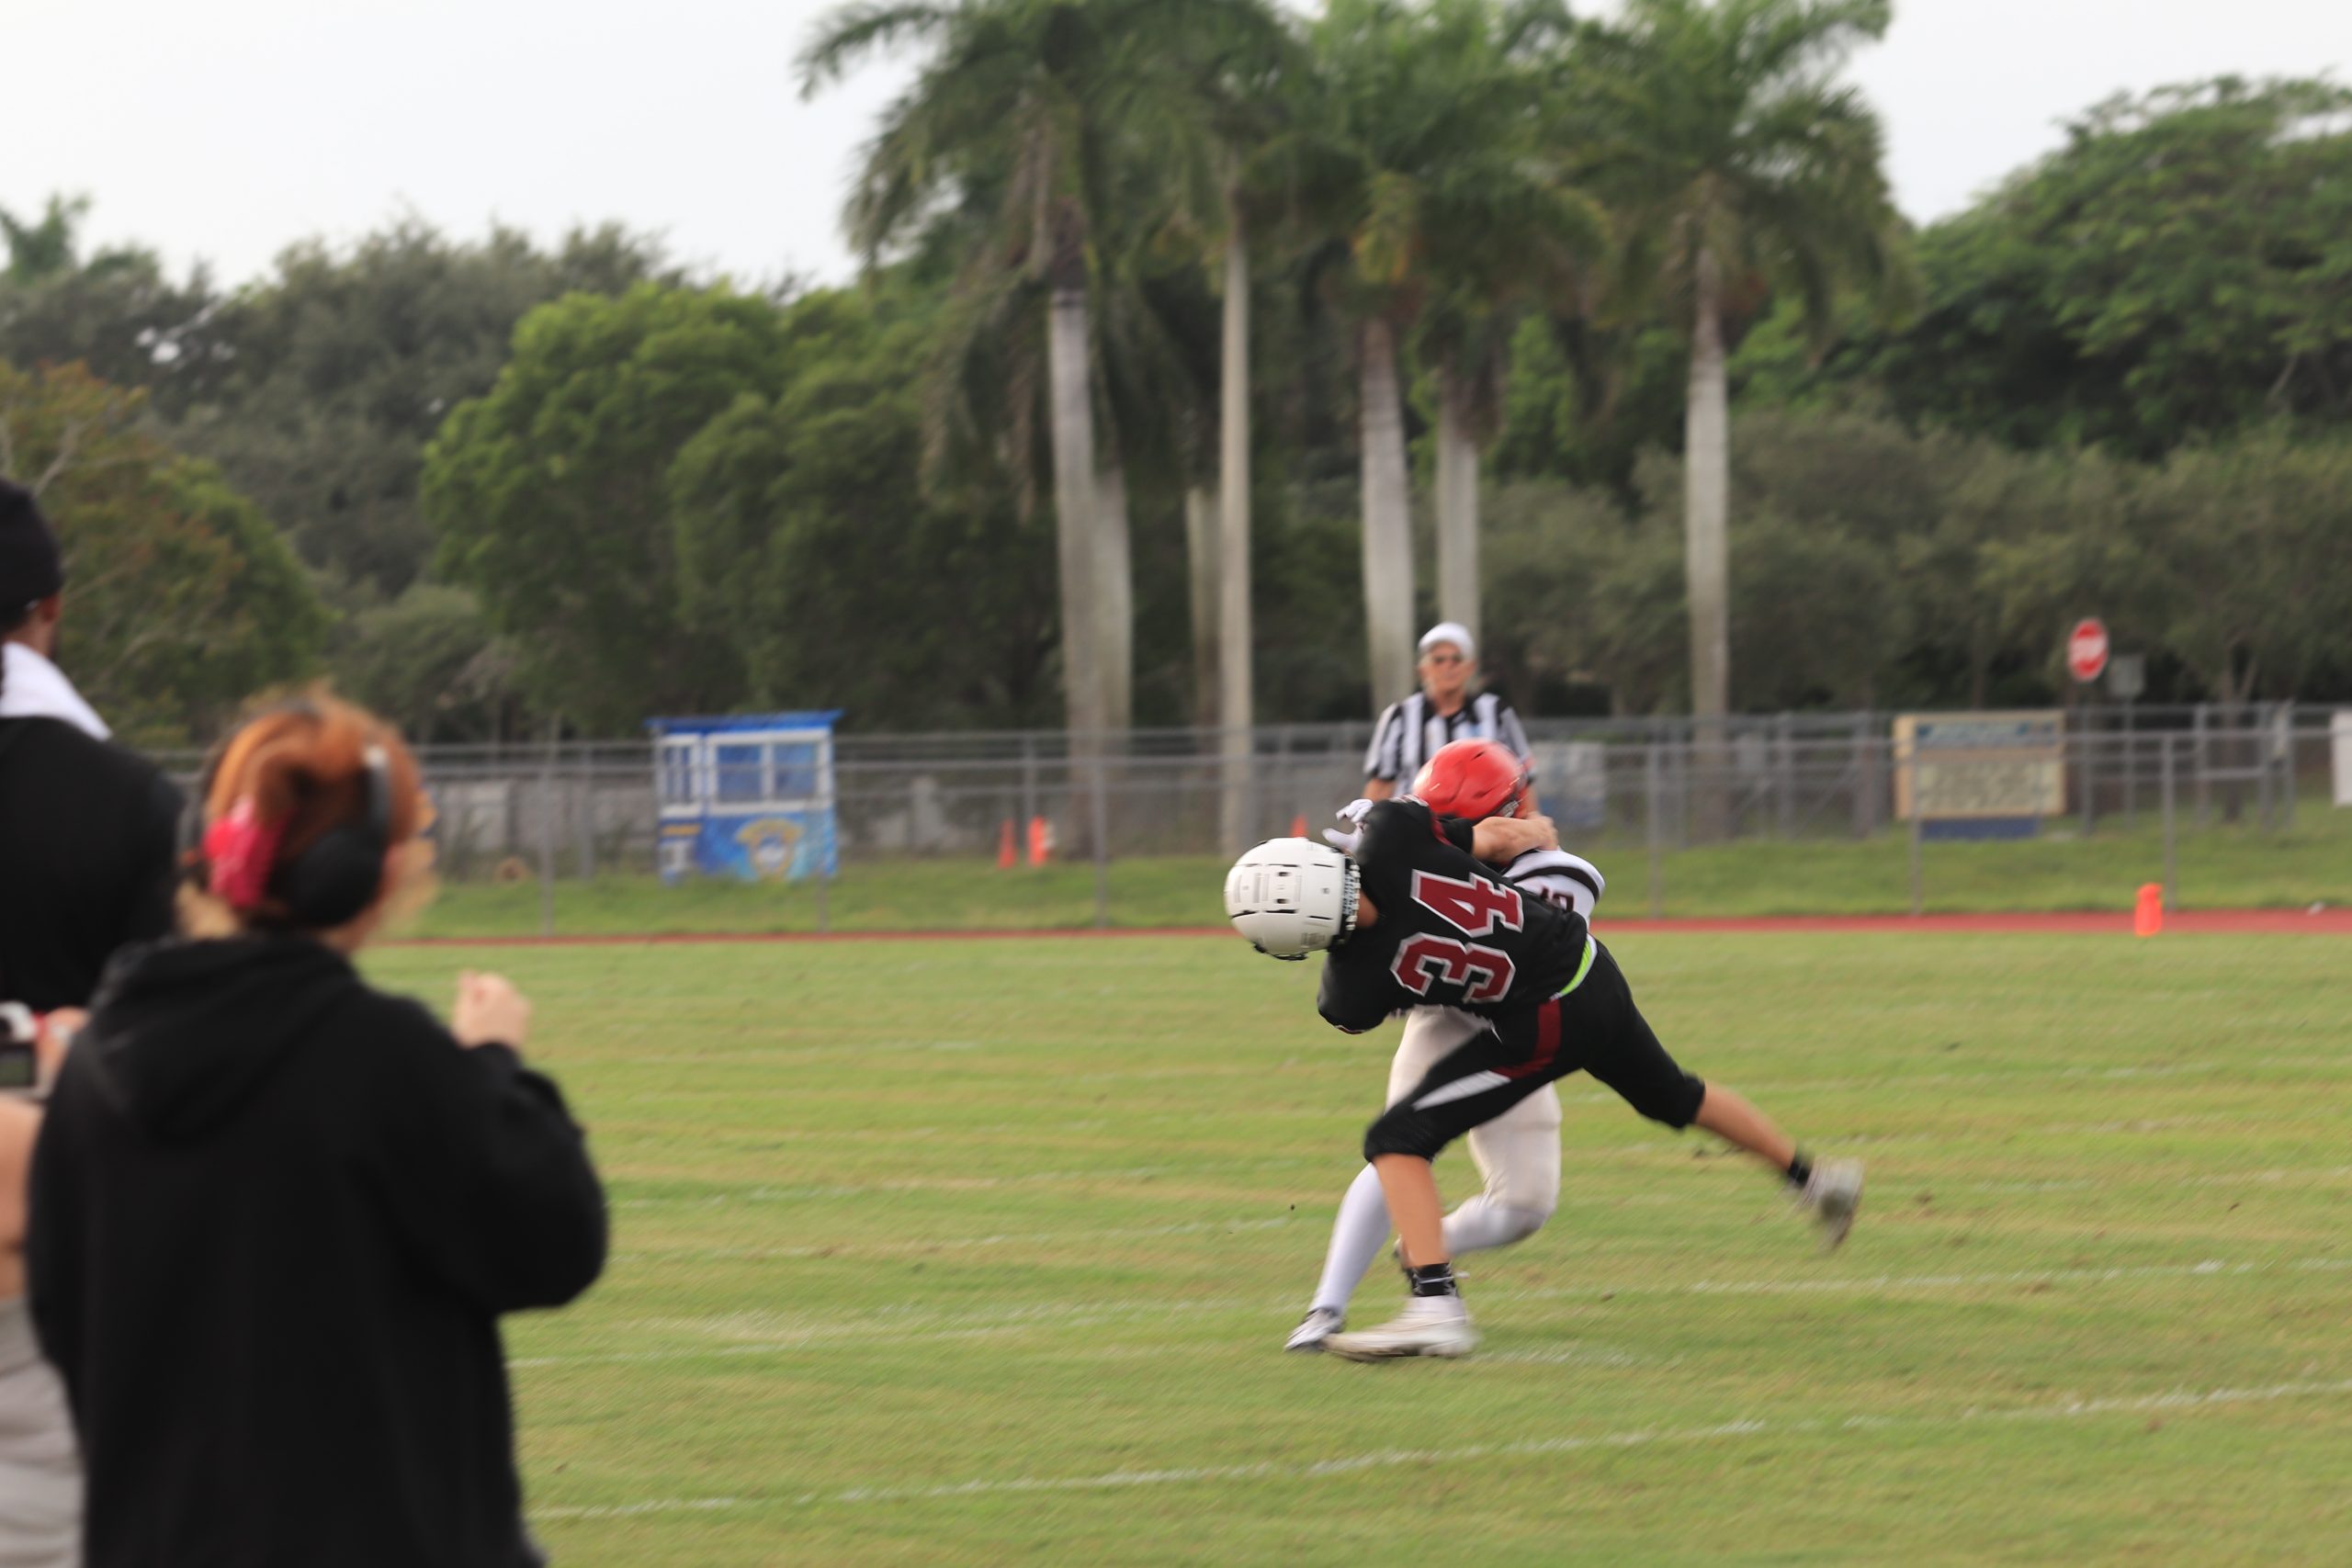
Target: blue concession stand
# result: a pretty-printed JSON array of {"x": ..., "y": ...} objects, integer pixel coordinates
[{"x": 749, "y": 796}]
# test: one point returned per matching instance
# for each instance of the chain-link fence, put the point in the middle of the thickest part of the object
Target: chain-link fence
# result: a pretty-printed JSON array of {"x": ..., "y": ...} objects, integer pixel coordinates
[{"x": 1654, "y": 799}]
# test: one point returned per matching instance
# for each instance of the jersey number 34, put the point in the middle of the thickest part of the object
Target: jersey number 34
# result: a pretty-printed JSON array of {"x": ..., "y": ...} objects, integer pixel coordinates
[{"x": 1425, "y": 960}]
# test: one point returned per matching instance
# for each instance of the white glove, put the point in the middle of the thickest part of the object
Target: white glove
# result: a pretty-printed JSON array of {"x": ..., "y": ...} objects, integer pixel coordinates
[{"x": 1353, "y": 814}]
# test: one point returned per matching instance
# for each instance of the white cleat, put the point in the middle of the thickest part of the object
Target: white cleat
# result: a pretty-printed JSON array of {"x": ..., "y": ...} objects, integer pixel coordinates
[
  {"x": 1834, "y": 1196},
  {"x": 1429, "y": 1326},
  {"x": 1318, "y": 1325}
]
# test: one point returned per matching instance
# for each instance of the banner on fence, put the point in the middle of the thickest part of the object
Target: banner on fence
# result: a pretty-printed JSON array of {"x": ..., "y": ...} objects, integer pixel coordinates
[{"x": 1980, "y": 774}]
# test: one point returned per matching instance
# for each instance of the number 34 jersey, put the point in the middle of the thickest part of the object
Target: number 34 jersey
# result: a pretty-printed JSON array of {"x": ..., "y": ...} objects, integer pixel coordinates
[{"x": 1450, "y": 932}]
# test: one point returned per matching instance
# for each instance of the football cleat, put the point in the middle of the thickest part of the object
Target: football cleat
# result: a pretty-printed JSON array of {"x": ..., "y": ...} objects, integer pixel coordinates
[
  {"x": 1429, "y": 1326},
  {"x": 1833, "y": 1196},
  {"x": 1318, "y": 1325}
]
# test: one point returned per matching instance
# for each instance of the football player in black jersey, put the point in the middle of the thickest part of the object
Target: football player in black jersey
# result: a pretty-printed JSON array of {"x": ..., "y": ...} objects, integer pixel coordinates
[
  {"x": 1417, "y": 915},
  {"x": 1517, "y": 1151}
]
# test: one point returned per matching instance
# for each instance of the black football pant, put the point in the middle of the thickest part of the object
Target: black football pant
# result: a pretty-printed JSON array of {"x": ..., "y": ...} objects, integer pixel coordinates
[{"x": 1594, "y": 1028}]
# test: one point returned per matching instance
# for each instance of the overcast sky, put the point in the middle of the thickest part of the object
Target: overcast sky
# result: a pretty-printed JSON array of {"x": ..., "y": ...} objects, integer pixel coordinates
[{"x": 228, "y": 130}]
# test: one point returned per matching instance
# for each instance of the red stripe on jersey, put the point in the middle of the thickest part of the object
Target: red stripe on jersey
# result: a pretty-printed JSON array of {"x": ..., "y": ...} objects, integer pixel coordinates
[{"x": 1547, "y": 1041}]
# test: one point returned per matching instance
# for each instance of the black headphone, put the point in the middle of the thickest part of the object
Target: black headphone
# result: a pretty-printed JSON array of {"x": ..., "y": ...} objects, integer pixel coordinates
[{"x": 336, "y": 878}]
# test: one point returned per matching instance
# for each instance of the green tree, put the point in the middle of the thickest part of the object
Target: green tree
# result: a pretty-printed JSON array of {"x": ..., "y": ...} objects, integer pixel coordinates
[
  {"x": 181, "y": 599},
  {"x": 1015, "y": 96},
  {"x": 430, "y": 661},
  {"x": 328, "y": 377},
  {"x": 1414, "y": 165},
  {"x": 2182, "y": 268},
  {"x": 550, "y": 497},
  {"x": 115, "y": 310},
  {"x": 1505, "y": 234},
  {"x": 1737, "y": 165},
  {"x": 809, "y": 540}
]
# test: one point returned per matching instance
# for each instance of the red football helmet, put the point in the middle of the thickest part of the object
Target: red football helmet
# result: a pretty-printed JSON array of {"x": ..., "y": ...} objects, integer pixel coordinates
[{"x": 1475, "y": 779}]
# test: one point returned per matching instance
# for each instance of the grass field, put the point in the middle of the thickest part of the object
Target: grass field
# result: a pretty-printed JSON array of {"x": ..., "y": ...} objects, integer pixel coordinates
[
  {"x": 2220, "y": 868},
  {"x": 980, "y": 1253}
]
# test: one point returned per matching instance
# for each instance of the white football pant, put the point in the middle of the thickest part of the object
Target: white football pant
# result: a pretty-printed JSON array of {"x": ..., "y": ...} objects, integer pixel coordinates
[{"x": 1518, "y": 1153}]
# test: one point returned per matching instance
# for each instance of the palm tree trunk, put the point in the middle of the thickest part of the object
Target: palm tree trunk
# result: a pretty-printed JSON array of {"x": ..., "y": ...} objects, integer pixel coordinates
[
  {"x": 1457, "y": 506},
  {"x": 1074, "y": 509},
  {"x": 1234, "y": 629},
  {"x": 1706, "y": 553},
  {"x": 1115, "y": 601},
  {"x": 1200, "y": 555},
  {"x": 1387, "y": 521}
]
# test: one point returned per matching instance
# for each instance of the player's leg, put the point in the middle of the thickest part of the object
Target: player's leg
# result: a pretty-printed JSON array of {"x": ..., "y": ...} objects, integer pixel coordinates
[
  {"x": 1519, "y": 1154},
  {"x": 1360, "y": 1229},
  {"x": 1484, "y": 1077},
  {"x": 1623, "y": 1052}
]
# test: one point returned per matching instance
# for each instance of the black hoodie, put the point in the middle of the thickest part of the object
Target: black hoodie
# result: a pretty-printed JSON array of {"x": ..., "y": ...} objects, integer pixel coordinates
[{"x": 275, "y": 1217}]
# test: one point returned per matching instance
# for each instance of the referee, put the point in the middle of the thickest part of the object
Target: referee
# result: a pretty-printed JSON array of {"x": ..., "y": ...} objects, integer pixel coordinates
[{"x": 1410, "y": 731}]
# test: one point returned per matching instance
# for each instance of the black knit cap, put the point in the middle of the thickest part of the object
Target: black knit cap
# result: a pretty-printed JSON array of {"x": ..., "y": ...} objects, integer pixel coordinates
[{"x": 30, "y": 568}]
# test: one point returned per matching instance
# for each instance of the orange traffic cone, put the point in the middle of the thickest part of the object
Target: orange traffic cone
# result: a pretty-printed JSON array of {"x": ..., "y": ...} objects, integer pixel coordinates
[
  {"x": 1006, "y": 858},
  {"x": 1298, "y": 826},
  {"x": 2148, "y": 914},
  {"x": 1041, "y": 841}
]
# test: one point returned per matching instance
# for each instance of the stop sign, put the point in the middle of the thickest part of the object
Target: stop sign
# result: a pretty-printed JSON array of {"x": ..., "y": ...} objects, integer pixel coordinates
[{"x": 2087, "y": 648}]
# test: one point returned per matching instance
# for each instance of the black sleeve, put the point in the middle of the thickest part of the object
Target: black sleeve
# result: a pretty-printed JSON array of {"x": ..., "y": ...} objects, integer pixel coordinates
[
  {"x": 487, "y": 1175},
  {"x": 1346, "y": 1000},
  {"x": 1461, "y": 832},
  {"x": 1384, "y": 850}
]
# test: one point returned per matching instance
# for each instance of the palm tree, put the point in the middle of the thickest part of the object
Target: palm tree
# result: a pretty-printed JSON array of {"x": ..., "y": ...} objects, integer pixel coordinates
[
  {"x": 1012, "y": 96},
  {"x": 1242, "y": 69},
  {"x": 1419, "y": 164},
  {"x": 50, "y": 247},
  {"x": 1738, "y": 167},
  {"x": 1525, "y": 238},
  {"x": 1031, "y": 110}
]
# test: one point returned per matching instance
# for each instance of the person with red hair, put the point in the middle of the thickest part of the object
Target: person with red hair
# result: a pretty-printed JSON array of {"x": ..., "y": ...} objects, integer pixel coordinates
[{"x": 276, "y": 1213}]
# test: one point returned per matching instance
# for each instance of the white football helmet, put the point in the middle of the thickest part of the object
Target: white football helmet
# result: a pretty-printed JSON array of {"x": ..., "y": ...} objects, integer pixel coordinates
[{"x": 1292, "y": 897}]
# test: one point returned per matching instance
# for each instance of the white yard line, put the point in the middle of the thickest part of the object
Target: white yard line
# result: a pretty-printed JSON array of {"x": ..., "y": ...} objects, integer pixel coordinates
[{"x": 2076, "y": 1409}]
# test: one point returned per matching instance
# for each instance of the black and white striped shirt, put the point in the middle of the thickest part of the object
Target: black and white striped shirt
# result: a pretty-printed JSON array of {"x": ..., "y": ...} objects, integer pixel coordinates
[{"x": 1410, "y": 730}]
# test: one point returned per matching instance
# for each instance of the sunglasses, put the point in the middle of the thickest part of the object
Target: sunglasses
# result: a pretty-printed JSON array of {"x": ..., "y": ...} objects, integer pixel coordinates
[{"x": 1442, "y": 659}]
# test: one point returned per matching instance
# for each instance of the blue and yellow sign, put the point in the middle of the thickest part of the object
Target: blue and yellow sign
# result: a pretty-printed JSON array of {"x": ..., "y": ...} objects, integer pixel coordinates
[{"x": 748, "y": 796}]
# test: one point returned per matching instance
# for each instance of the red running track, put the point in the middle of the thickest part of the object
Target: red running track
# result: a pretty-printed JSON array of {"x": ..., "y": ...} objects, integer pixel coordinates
[{"x": 2208, "y": 922}]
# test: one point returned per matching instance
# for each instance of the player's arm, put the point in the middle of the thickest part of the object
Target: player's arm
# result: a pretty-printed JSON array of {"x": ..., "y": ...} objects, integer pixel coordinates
[
  {"x": 1498, "y": 840},
  {"x": 1347, "y": 1003},
  {"x": 1400, "y": 834},
  {"x": 1571, "y": 882}
]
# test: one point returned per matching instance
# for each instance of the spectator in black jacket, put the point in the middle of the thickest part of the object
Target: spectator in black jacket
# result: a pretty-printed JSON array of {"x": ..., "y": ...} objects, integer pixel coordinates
[
  {"x": 85, "y": 828},
  {"x": 276, "y": 1213}
]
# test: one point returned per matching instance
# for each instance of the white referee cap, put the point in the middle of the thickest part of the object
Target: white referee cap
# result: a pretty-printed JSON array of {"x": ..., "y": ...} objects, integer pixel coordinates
[{"x": 1453, "y": 632}]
